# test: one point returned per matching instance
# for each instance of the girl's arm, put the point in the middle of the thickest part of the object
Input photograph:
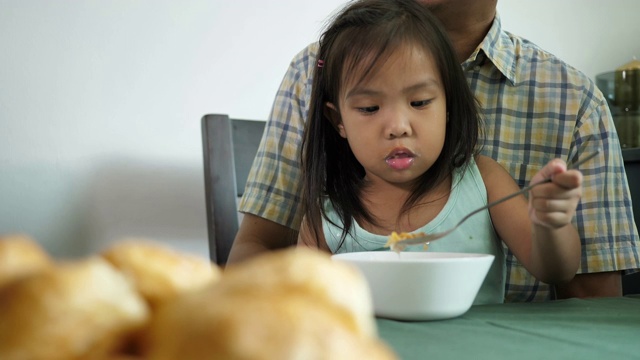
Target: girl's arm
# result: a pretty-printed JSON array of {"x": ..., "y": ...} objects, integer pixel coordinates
[
  {"x": 538, "y": 231},
  {"x": 306, "y": 237}
]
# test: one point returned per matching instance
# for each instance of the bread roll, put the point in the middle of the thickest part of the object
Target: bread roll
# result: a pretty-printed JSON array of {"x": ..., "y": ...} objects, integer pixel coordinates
[
  {"x": 81, "y": 309},
  {"x": 158, "y": 272},
  {"x": 20, "y": 255},
  {"x": 288, "y": 304},
  {"x": 220, "y": 325},
  {"x": 302, "y": 270}
]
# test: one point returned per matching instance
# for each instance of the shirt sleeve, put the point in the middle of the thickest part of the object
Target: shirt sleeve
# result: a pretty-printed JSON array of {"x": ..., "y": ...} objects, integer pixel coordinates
[
  {"x": 274, "y": 183},
  {"x": 604, "y": 216}
]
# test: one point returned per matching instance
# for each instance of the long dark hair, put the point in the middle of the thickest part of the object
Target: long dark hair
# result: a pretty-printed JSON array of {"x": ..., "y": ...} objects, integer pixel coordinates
[{"x": 359, "y": 37}]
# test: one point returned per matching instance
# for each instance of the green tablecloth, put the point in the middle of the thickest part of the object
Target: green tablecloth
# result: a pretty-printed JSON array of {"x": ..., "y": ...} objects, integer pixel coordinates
[{"x": 604, "y": 328}]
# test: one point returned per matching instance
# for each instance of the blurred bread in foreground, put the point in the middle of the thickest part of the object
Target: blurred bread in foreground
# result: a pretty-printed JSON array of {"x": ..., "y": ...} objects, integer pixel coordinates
[
  {"x": 80, "y": 309},
  {"x": 140, "y": 300},
  {"x": 305, "y": 271},
  {"x": 218, "y": 325},
  {"x": 158, "y": 272},
  {"x": 20, "y": 255},
  {"x": 287, "y": 304}
]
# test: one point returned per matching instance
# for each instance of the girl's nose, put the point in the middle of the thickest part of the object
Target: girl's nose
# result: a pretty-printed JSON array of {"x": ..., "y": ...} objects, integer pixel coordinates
[{"x": 398, "y": 126}]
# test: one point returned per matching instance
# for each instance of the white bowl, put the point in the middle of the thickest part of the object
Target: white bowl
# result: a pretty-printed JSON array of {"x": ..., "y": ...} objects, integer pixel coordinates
[{"x": 421, "y": 285}]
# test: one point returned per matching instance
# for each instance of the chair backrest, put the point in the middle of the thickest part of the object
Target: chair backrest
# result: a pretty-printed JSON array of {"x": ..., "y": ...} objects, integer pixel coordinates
[{"x": 229, "y": 147}]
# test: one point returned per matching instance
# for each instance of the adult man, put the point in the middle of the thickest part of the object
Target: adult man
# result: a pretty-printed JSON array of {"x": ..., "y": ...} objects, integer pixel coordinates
[{"x": 535, "y": 107}]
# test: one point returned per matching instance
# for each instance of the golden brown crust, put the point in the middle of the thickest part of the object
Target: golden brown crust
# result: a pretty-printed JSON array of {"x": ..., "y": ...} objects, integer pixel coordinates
[
  {"x": 221, "y": 325},
  {"x": 68, "y": 311},
  {"x": 20, "y": 255},
  {"x": 288, "y": 304},
  {"x": 141, "y": 300},
  {"x": 158, "y": 272},
  {"x": 310, "y": 272}
]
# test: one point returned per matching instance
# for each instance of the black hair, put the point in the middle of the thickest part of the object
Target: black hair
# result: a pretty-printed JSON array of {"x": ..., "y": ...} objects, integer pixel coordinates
[{"x": 360, "y": 36}]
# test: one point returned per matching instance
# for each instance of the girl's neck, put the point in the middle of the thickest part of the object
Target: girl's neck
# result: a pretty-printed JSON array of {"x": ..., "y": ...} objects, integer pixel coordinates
[{"x": 384, "y": 201}]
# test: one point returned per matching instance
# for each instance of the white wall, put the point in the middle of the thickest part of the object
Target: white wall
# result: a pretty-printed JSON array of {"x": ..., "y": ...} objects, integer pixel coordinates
[
  {"x": 100, "y": 101},
  {"x": 592, "y": 35}
]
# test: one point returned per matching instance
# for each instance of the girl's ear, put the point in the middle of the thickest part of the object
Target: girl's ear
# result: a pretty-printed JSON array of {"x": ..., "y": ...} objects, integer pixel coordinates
[{"x": 332, "y": 113}]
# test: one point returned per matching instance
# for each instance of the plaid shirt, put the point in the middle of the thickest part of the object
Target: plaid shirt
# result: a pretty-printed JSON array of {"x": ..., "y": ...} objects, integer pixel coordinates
[{"x": 536, "y": 108}]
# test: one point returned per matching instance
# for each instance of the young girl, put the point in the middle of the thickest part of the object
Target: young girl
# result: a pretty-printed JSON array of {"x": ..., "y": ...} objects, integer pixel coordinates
[{"x": 390, "y": 145}]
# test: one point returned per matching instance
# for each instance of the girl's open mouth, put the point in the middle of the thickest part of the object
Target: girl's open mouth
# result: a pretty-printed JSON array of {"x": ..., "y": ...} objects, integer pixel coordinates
[{"x": 400, "y": 159}]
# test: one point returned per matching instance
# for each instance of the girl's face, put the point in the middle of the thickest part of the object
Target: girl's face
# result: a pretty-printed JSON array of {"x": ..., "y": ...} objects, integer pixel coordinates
[{"x": 395, "y": 119}]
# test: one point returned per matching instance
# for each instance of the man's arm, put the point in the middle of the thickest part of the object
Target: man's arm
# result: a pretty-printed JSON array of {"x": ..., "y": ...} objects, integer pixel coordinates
[
  {"x": 610, "y": 188},
  {"x": 601, "y": 284},
  {"x": 271, "y": 201},
  {"x": 257, "y": 235}
]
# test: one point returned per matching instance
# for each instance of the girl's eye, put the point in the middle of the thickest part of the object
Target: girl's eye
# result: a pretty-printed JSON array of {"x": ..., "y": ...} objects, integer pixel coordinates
[
  {"x": 420, "y": 103},
  {"x": 368, "y": 109}
]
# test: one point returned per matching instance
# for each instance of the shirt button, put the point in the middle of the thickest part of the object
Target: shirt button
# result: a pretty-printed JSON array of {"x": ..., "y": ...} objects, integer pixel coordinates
[{"x": 476, "y": 68}]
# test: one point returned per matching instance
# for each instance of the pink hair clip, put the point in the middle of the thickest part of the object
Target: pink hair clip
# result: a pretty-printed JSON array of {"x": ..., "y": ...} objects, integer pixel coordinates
[{"x": 320, "y": 63}]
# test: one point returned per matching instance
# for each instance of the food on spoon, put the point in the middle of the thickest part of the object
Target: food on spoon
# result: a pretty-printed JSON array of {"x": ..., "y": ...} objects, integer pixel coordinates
[
  {"x": 79, "y": 309},
  {"x": 395, "y": 238}
]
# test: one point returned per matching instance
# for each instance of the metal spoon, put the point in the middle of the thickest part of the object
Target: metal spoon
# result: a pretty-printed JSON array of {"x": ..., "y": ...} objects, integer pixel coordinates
[{"x": 427, "y": 238}]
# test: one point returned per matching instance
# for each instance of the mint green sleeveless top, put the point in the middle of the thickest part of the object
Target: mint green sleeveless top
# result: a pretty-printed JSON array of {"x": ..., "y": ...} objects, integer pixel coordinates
[{"x": 476, "y": 235}]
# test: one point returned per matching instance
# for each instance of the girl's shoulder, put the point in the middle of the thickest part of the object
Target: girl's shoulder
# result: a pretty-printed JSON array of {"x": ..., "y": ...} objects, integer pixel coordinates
[
  {"x": 492, "y": 172},
  {"x": 487, "y": 165},
  {"x": 496, "y": 179}
]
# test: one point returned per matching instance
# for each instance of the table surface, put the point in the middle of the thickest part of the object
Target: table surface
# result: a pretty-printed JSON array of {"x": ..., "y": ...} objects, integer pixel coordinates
[{"x": 603, "y": 328}]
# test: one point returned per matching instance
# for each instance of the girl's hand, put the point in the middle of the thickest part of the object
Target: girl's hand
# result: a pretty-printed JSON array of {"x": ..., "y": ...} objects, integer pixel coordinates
[{"x": 554, "y": 204}]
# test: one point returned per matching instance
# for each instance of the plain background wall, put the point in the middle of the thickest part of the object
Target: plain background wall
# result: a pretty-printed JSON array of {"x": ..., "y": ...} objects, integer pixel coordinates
[{"x": 100, "y": 101}]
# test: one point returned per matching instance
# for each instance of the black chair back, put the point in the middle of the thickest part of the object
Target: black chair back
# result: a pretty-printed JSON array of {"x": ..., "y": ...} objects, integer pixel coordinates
[{"x": 229, "y": 147}]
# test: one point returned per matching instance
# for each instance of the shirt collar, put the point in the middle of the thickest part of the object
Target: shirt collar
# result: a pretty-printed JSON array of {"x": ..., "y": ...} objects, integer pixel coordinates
[{"x": 498, "y": 48}]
